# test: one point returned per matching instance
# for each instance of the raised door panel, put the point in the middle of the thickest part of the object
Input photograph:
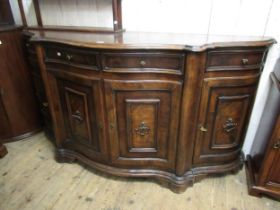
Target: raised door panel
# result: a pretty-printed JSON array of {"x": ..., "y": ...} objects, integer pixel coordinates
[
  {"x": 83, "y": 115},
  {"x": 224, "y": 111},
  {"x": 143, "y": 120},
  {"x": 273, "y": 179}
]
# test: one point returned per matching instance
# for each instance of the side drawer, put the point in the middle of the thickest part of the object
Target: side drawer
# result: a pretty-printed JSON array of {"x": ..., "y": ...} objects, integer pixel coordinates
[
  {"x": 135, "y": 62},
  {"x": 235, "y": 59},
  {"x": 73, "y": 56}
]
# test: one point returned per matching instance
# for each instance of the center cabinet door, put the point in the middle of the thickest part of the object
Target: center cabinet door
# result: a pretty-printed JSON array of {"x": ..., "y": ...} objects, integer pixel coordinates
[{"x": 143, "y": 122}]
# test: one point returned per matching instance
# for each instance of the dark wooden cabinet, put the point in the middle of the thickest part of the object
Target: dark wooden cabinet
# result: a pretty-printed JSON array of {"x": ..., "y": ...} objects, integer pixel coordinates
[
  {"x": 18, "y": 108},
  {"x": 171, "y": 112},
  {"x": 263, "y": 162}
]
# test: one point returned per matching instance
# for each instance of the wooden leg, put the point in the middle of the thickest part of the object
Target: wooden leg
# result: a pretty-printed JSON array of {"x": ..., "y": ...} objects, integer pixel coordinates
[{"x": 3, "y": 150}]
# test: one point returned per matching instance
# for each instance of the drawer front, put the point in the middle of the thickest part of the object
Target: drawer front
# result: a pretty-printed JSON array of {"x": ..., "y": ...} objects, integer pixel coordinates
[
  {"x": 73, "y": 57},
  {"x": 158, "y": 62},
  {"x": 235, "y": 59}
]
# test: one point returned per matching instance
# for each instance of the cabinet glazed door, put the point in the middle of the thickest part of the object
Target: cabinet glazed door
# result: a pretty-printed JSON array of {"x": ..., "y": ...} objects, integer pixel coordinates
[
  {"x": 143, "y": 120},
  {"x": 224, "y": 110},
  {"x": 83, "y": 115}
]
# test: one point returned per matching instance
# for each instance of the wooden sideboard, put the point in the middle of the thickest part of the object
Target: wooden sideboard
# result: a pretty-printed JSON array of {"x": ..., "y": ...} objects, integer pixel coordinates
[
  {"x": 171, "y": 107},
  {"x": 18, "y": 109},
  {"x": 263, "y": 163}
]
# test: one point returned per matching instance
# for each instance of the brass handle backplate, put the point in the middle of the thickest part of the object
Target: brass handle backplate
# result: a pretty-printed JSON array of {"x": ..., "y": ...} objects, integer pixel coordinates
[
  {"x": 142, "y": 129},
  {"x": 45, "y": 104}
]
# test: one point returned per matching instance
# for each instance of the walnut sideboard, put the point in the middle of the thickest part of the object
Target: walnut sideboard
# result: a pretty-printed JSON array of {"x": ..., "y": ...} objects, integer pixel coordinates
[{"x": 168, "y": 106}]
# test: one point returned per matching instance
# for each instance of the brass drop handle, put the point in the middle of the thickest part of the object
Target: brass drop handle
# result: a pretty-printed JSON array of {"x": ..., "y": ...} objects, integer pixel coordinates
[
  {"x": 202, "y": 128},
  {"x": 245, "y": 61},
  {"x": 1, "y": 42},
  {"x": 78, "y": 116},
  {"x": 143, "y": 63},
  {"x": 142, "y": 129},
  {"x": 276, "y": 145},
  {"x": 229, "y": 126},
  {"x": 69, "y": 57}
]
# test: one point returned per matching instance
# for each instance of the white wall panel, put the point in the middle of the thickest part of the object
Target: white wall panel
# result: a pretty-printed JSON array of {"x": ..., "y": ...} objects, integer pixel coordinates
[
  {"x": 175, "y": 16},
  {"x": 224, "y": 17},
  {"x": 252, "y": 18}
]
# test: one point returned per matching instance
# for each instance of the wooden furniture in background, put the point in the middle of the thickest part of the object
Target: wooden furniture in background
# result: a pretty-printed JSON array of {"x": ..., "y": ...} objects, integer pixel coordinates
[
  {"x": 175, "y": 112},
  {"x": 263, "y": 163},
  {"x": 18, "y": 108},
  {"x": 116, "y": 14},
  {"x": 3, "y": 150},
  {"x": 6, "y": 16}
]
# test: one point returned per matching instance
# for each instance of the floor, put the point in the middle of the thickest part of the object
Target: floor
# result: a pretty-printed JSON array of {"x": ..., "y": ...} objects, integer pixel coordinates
[{"x": 31, "y": 179}]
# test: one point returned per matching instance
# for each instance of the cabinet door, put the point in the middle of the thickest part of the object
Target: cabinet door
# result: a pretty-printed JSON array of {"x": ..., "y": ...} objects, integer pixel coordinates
[
  {"x": 143, "y": 119},
  {"x": 273, "y": 178},
  {"x": 271, "y": 169},
  {"x": 5, "y": 128},
  {"x": 224, "y": 110},
  {"x": 81, "y": 103}
]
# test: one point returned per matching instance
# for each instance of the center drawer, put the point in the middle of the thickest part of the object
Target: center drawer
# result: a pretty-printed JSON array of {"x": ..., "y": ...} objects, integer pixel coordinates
[{"x": 135, "y": 62}]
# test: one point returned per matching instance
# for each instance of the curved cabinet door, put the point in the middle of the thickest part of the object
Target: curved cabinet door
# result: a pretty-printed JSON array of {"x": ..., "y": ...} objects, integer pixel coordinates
[
  {"x": 82, "y": 116},
  {"x": 224, "y": 111},
  {"x": 143, "y": 122},
  {"x": 270, "y": 177}
]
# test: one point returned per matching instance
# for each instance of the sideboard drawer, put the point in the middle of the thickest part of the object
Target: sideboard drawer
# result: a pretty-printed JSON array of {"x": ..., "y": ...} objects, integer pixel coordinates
[
  {"x": 157, "y": 62},
  {"x": 72, "y": 56},
  {"x": 219, "y": 60}
]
